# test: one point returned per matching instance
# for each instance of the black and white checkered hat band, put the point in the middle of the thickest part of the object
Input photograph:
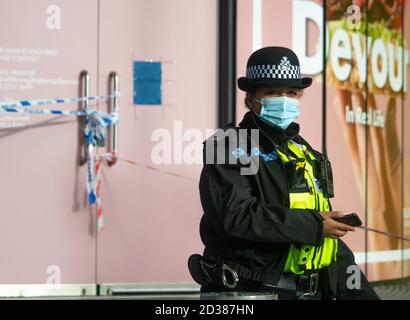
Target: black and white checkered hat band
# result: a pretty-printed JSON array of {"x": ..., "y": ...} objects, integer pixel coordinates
[{"x": 272, "y": 71}]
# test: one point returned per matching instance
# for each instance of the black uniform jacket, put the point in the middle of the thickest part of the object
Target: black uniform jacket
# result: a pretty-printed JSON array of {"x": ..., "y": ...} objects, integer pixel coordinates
[{"x": 247, "y": 219}]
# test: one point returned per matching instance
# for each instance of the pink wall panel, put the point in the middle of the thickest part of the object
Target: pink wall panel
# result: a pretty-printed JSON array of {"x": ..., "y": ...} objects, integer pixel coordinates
[
  {"x": 152, "y": 216},
  {"x": 44, "y": 220}
]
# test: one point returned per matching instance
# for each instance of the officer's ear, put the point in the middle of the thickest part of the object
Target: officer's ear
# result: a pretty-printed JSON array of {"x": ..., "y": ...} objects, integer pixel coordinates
[{"x": 249, "y": 100}]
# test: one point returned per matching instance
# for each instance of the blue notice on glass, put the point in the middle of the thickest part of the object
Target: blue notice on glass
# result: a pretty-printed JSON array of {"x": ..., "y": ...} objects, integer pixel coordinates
[{"x": 147, "y": 83}]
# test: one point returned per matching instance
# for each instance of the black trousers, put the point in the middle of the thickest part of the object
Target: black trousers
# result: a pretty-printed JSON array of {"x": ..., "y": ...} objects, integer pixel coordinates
[
  {"x": 361, "y": 291},
  {"x": 342, "y": 280}
]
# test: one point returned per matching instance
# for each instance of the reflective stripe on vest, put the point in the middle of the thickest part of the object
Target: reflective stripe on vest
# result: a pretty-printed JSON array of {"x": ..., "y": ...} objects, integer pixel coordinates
[{"x": 307, "y": 257}]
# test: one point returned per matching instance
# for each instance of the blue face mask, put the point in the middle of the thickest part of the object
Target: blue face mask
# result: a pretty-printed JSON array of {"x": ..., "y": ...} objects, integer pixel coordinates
[{"x": 279, "y": 111}]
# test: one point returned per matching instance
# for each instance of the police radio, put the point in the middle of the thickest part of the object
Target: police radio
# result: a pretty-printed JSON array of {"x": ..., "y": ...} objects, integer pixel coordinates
[{"x": 326, "y": 176}]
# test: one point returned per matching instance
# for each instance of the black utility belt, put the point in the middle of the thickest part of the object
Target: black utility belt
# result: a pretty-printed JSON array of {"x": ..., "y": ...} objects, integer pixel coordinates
[
  {"x": 306, "y": 284},
  {"x": 230, "y": 276}
]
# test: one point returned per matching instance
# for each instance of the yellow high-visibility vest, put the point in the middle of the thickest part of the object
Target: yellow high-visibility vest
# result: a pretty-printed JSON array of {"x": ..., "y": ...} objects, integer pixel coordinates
[{"x": 306, "y": 257}]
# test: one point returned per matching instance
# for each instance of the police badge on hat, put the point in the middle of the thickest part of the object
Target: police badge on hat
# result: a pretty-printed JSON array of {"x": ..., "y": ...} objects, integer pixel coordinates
[{"x": 285, "y": 64}]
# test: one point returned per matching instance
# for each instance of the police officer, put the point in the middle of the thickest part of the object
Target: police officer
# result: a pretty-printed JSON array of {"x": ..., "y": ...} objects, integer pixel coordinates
[{"x": 273, "y": 229}]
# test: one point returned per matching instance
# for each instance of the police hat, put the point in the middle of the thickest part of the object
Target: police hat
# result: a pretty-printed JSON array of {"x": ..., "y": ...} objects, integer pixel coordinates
[{"x": 273, "y": 67}]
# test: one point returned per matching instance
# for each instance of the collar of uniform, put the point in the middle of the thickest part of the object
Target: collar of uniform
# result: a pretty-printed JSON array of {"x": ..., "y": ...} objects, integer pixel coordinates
[{"x": 278, "y": 135}]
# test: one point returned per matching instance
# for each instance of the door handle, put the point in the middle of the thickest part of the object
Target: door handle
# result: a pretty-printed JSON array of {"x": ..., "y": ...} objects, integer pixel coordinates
[{"x": 114, "y": 107}]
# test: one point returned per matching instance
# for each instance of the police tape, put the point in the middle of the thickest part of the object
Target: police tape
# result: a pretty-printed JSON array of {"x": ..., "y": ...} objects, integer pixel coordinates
[
  {"x": 390, "y": 234},
  {"x": 31, "y": 103},
  {"x": 94, "y": 135},
  {"x": 105, "y": 159},
  {"x": 145, "y": 166}
]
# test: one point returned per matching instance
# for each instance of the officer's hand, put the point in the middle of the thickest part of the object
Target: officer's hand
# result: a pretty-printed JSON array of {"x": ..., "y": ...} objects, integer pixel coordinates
[{"x": 333, "y": 228}]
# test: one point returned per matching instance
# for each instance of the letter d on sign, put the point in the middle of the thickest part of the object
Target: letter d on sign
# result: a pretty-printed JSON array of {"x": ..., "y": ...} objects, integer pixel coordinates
[{"x": 302, "y": 12}]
